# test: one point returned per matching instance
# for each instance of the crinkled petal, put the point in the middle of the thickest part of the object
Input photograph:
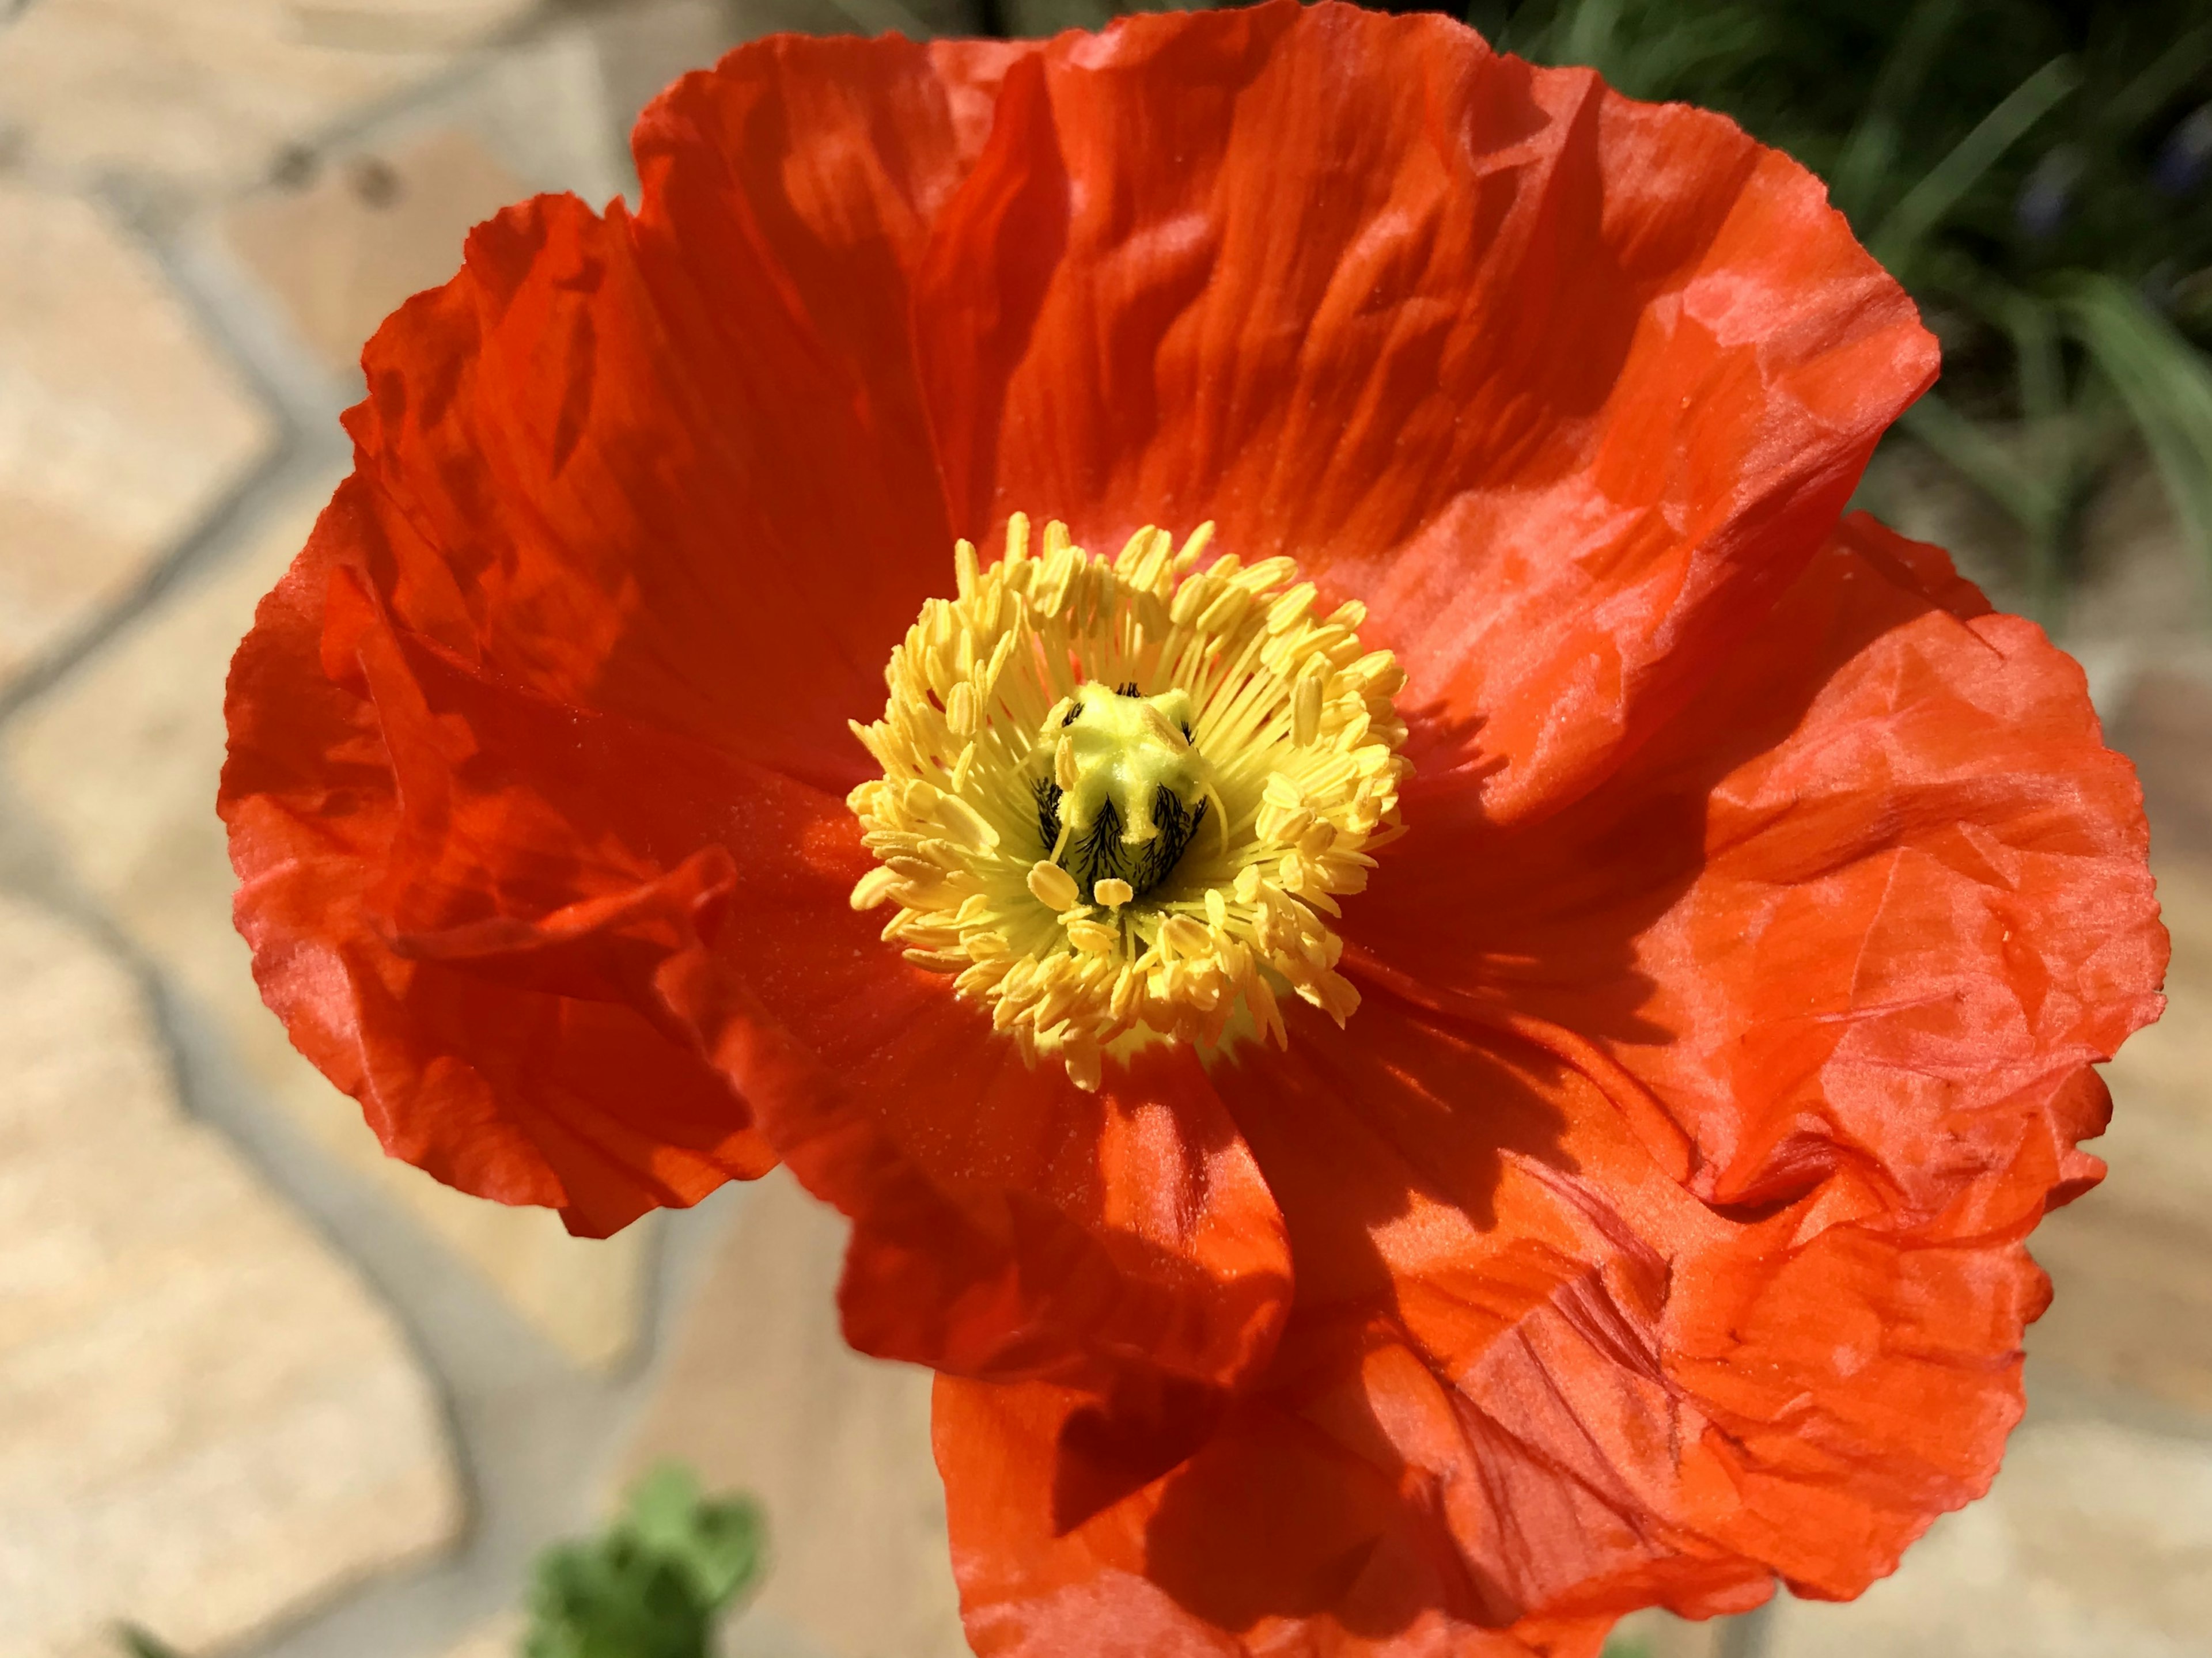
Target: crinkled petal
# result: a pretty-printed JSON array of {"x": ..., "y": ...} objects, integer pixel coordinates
[
  {"x": 1006, "y": 1222},
  {"x": 1466, "y": 1442},
  {"x": 1862, "y": 914},
  {"x": 675, "y": 467},
  {"x": 513, "y": 1090},
  {"x": 1567, "y": 388}
]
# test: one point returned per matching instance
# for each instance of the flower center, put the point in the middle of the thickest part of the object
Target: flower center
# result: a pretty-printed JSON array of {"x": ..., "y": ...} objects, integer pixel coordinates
[{"x": 1119, "y": 796}]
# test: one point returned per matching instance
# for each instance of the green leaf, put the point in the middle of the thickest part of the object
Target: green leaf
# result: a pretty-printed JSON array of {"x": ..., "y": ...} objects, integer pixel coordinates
[
  {"x": 1038, "y": 19},
  {"x": 140, "y": 1643},
  {"x": 719, "y": 1543},
  {"x": 1871, "y": 148},
  {"x": 1924, "y": 206},
  {"x": 1585, "y": 34},
  {"x": 1488, "y": 18},
  {"x": 2169, "y": 73},
  {"x": 654, "y": 1585},
  {"x": 2163, "y": 380},
  {"x": 2034, "y": 325}
]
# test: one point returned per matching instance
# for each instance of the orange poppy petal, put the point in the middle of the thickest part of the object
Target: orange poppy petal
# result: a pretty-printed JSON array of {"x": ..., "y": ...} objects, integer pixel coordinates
[
  {"x": 1006, "y": 1222},
  {"x": 1565, "y": 387},
  {"x": 1633, "y": 1396},
  {"x": 1464, "y": 1442},
  {"x": 512, "y": 1090},
  {"x": 1278, "y": 1537},
  {"x": 1862, "y": 912},
  {"x": 675, "y": 467}
]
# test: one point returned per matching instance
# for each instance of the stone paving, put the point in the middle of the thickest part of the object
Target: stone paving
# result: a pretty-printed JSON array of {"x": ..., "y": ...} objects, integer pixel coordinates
[{"x": 275, "y": 1396}]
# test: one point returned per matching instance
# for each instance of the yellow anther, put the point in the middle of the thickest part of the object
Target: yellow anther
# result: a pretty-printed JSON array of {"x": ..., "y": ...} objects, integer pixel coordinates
[
  {"x": 1189, "y": 937},
  {"x": 1092, "y": 937},
  {"x": 1112, "y": 892},
  {"x": 1084, "y": 1066},
  {"x": 874, "y": 888},
  {"x": 1201, "y": 538},
  {"x": 1286, "y": 612},
  {"x": 1055, "y": 887},
  {"x": 1305, "y": 710}
]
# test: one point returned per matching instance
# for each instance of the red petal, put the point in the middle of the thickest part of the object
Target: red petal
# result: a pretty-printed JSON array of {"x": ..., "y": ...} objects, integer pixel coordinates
[
  {"x": 677, "y": 467},
  {"x": 1867, "y": 906},
  {"x": 509, "y": 1090},
  {"x": 1466, "y": 1440},
  {"x": 1837, "y": 948},
  {"x": 1006, "y": 1224},
  {"x": 1567, "y": 387}
]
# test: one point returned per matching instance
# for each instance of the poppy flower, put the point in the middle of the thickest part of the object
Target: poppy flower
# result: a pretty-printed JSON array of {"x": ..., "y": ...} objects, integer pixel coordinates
[{"x": 1442, "y": 999}]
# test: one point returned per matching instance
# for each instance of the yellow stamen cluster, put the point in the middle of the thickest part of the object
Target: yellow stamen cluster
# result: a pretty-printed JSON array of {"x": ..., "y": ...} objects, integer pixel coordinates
[{"x": 1261, "y": 727}]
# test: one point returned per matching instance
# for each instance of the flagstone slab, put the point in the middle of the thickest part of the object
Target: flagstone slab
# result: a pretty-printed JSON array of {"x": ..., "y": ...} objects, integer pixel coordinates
[
  {"x": 758, "y": 1392},
  {"x": 209, "y": 94},
  {"x": 120, "y": 426},
  {"x": 118, "y": 763},
  {"x": 374, "y": 228},
  {"x": 499, "y": 1636},
  {"x": 206, "y": 1423},
  {"x": 2096, "y": 1542},
  {"x": 406, "y": 25}
]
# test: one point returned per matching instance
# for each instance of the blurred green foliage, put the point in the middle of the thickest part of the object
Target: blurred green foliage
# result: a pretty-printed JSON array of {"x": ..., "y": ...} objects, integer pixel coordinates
[
  {"x": 654, "y": 1584},
  {"x": 2037, "y": 172}
]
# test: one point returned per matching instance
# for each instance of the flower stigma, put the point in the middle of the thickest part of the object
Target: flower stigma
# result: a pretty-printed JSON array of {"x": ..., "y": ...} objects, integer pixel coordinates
[{"x": 1121, "y": 797}]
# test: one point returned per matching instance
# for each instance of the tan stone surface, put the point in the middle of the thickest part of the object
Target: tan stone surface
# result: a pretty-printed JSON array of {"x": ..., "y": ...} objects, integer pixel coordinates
[
  {"x": 497, "y": 1637},
  {"x": 340, "y": 255},
  {"x": 759, "y": 1393},
  {"x": 119, "y": 426},
  {"x": 2096, "y": 1542},
  {"x": 120, "y": 762},
  {"x": 405, "y": 25},
  {"x": 208, "y": 92},
  {"x": 205, "y": 1423}
]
